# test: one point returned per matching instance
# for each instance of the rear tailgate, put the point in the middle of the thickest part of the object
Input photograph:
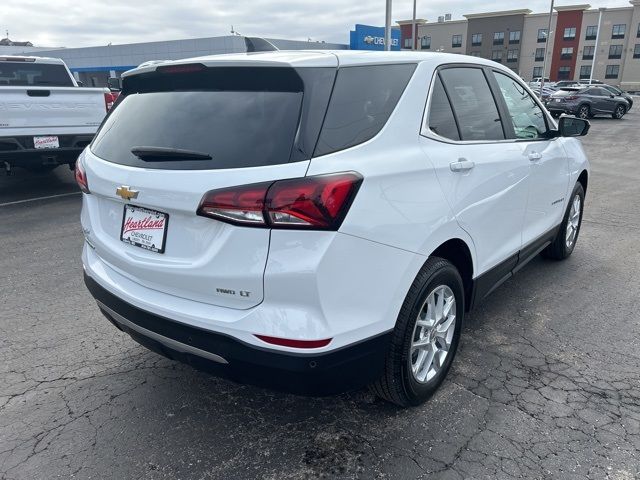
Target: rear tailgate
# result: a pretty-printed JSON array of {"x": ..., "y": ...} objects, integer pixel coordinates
[
  {"x": 249, "y": 126},
  {"x": 44, "y": 108}
]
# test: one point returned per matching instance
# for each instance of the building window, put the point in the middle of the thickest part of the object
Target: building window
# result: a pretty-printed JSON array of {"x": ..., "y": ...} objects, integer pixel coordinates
[
  {"x": 475, "y": 54},
  {"x": 564, "y": 73},
  {"x": 636, "y": 51},
  {"x": 476, "y": 39},
  {"x": 569, "y": 33},
  {"x": 612, "y": 71},
  {"x": 618, "y": 31},
  {"x": 537, "y": 72},
  {"x": 496, "y": 55},
  {"x": 407, "y": 42},
  {"x": 456, "y": 41},
  {"x": 512, "y": 56},
  {"x": 514, "y": 37},
  {"x": 425, "y": 42},
  {"x": 542, "y": 35},
  {"x": 592, "y": 32},
  {"x": 615, "y": 51},
  {"x": 566, "y": 53},
  {"x": 638, "y": 32},
  {"x": 498, "y": 38},
  {"x": 539, "y": 55},
  {"x": 585, "y": 72},
  {"x": 587, "y": 52}
]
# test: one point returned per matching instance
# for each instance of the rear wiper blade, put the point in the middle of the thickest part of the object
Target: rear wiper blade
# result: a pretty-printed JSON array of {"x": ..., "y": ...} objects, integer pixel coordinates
[{"x": 162, "y": 153}]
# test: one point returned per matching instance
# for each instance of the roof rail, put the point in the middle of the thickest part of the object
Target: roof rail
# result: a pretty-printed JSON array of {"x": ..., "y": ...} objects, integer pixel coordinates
[{"x": 259, "y": 44}]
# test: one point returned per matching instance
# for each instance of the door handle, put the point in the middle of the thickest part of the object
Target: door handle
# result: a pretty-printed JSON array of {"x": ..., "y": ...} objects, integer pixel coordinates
[
  {"x": 462, "y": 165},
  {"x": 533, "y": 156}
]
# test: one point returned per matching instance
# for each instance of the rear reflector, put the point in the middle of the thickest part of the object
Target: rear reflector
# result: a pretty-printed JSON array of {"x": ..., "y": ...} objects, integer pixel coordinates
[
  {"x": 316, "y": 203},
  {"x": 287, "y": 342}
]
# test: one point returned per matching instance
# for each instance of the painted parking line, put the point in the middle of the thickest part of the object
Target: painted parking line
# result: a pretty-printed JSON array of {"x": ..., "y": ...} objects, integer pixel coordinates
[{"x": 39, "y": 198}]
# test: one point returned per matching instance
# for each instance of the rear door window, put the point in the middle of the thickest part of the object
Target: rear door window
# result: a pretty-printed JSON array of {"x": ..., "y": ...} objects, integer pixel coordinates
[
  {"x": 441, "y": 119},
  {"x": 237, "y": 116},
  {"x": 363, "y": 98},
  {"x": 473, "y": 104}
]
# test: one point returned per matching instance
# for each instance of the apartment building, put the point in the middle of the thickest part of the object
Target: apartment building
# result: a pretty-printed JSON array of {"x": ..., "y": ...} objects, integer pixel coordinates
[{"x": 582, "y": 43}]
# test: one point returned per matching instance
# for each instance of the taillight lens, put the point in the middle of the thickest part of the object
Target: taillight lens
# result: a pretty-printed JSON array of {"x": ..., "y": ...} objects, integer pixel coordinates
[
  {"x": 109, "y": 99},
  {"x": 317, "y": 203},
  {"x": 81, "y": 176},
  {"x": 571, "y": 97}
]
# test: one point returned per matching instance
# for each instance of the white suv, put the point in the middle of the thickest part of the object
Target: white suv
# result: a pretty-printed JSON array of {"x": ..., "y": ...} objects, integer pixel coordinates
[{"x": 316, "y": 221}]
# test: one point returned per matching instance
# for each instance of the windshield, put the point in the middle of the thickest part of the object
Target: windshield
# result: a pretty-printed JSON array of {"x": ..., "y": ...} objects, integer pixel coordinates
[{"x": 23, "y": 74}]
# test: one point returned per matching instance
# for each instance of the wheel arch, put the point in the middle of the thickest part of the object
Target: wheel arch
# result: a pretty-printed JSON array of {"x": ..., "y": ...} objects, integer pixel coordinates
[
  {"x": 459, "y": 254},
  {"x": 583, "y": 179}
]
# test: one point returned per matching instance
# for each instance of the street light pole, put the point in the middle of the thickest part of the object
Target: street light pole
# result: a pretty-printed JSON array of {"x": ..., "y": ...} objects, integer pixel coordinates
[
  {"x": 546, "y": 49},
  {"x": 387, "y": 27},
  {"x": 595, "y": 49},
  {"x": 413, "y": 27}
]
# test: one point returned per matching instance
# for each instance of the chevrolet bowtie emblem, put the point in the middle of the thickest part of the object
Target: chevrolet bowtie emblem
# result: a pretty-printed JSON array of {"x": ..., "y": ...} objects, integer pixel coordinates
[{"x": 126, "y": 193}]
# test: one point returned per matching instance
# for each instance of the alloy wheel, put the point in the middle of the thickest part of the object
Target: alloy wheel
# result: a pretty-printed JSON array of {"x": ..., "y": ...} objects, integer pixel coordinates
[
  {"x": 573, "y": 222},
  {"x": 619, "y": 111},
  {"x": 433, "y": 334},
  {"x": 584, "y": 112}
]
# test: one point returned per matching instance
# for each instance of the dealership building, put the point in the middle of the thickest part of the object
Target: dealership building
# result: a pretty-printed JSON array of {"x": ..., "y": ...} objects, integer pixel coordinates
[
  {"x": 583, "y": 43},
  {"x": 94, "y": 65}
]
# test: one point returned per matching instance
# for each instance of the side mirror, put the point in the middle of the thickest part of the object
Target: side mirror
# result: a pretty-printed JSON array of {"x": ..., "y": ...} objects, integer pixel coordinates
[
  {"x": 573, "y": 127},
  {"x": 114, "y": 84}
]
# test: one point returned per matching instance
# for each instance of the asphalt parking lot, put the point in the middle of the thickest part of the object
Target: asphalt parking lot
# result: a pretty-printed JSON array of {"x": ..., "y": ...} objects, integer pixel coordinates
[{"x": 546, "y": 383}]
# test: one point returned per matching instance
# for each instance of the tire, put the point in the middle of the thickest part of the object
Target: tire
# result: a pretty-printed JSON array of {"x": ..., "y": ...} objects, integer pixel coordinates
[
  {"x": 561, "y": 248},
  {"x": 583, "y": 112},
  {"x": 619, "y": 112},
  {"x": 439, "y": 280}
]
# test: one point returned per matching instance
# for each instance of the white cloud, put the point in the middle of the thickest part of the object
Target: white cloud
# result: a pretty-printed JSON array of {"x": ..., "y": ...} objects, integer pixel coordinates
[{"x": 93, "y": 22}]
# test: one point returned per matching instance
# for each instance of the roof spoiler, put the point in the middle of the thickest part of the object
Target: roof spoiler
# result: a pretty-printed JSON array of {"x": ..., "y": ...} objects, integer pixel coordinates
[{"x": 259, "y": 44}]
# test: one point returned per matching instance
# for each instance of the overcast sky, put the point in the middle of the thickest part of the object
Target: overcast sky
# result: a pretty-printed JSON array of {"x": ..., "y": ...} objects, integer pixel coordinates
[{"x": 80, "y": 23}]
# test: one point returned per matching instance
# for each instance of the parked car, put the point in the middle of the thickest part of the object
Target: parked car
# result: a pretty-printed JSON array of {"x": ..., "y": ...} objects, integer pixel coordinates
[
  {"x": 537, "y": 83},
  {"x": 46, "y": 119},
  {"x": 565, "y": 83},
  {"x": 300, "y": 220},
  {"x": 620, "y": 93},
  {"x": 587, "y": 102}
]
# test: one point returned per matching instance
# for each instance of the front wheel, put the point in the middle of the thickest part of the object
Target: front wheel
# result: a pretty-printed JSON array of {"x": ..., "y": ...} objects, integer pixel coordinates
[
  {"x": 426, "y": 336},
  {"x": 619, "y": 112},
  {"x": 567, "y": 236}
]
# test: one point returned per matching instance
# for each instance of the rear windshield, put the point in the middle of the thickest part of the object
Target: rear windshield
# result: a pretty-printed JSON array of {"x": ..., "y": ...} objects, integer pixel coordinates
[
  {"x": 25, "y": 74},
  {"x": 238, "y": 116}
]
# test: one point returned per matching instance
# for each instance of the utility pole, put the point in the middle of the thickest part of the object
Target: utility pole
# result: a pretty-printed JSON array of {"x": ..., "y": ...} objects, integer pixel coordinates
[
  {"x": 546, "y": 49},
  {"x": 413, "y": 27},
  {"x": 595, "y": 49},
  {"x": 387, "y": 27}
]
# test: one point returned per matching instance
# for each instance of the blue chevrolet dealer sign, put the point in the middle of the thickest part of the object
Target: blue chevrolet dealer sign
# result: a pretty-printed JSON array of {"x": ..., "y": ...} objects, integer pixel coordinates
[{"x": 368, "y": 37}]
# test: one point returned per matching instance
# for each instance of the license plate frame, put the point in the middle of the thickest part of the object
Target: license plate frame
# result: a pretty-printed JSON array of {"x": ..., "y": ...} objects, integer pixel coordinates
[
  {"x": 146, "y": 219},
  {"x": 46, "y": 141}
]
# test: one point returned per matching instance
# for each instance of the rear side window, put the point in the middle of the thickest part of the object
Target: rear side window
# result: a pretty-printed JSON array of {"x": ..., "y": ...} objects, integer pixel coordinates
[
  {"x": 26, "y": 74},
  {"x": 238, "y": 116},
  {"x": 363, "y": 99},
  {"x": 473, "y": 104},
  {"x": 441, "y": 119}
]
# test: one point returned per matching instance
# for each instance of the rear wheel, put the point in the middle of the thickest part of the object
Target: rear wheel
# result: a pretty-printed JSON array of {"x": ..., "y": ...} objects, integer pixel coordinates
[
  {"x": 619, "y": 112},
  {"x": 584, "y": 111},
  {"x": 567, "y": 236},
  {"x": 426, "y": 336}
]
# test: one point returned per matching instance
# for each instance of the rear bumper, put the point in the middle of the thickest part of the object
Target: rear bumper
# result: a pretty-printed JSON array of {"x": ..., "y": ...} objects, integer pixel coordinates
[
  {"x": 20, "y": 151},
  {"x": 328, "y": 372}
]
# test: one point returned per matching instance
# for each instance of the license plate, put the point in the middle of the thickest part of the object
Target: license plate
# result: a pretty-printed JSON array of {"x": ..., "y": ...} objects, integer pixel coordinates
[
  {"x": 144, "y": 228},
  {"x": 46, "y": 142}
]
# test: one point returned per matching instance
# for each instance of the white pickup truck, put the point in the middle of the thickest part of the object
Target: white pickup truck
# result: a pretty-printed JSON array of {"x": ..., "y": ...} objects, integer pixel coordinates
[{"x": 46, "y": 118}]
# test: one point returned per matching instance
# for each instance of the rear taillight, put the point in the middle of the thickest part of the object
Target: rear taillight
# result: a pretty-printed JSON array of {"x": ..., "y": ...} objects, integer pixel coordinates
[
  {"x": 81, "y": 176},
  {"x": 109, "y": 99},
  {"x": 317, "y": 203},
  {"x": 571, "y": 97}
]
